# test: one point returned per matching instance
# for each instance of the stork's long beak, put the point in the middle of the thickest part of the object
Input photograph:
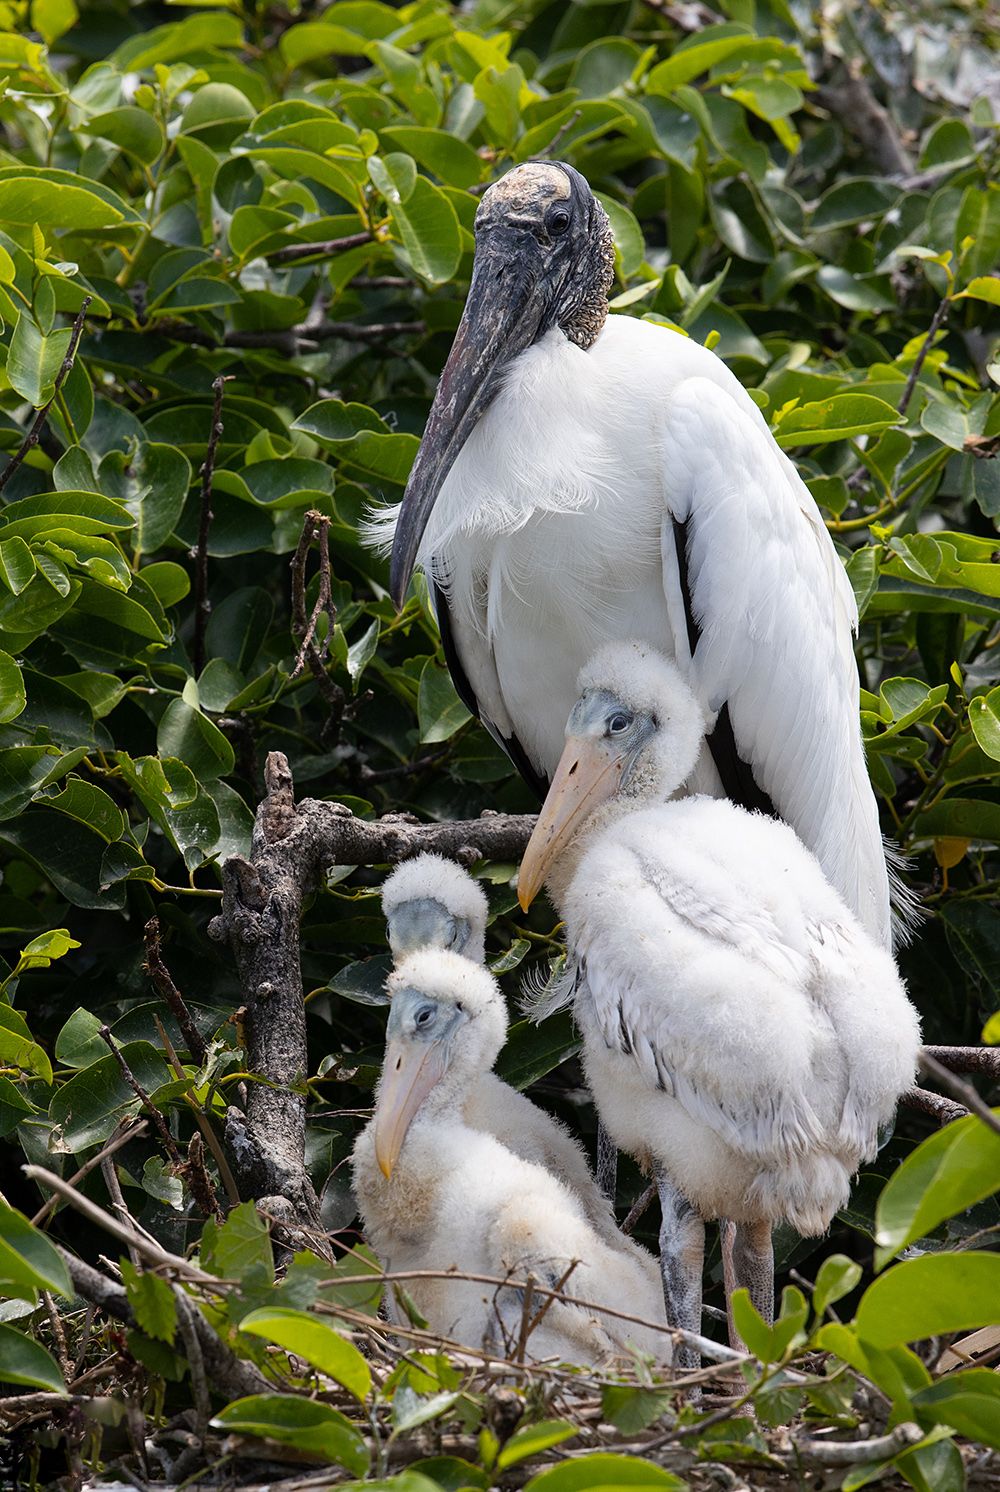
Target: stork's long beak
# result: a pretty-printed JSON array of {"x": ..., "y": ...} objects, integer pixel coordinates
[
  {"x": 504, "y": 312},
  {"x": 588, "y": 775},
  {"x": 409, "y": 1072}
]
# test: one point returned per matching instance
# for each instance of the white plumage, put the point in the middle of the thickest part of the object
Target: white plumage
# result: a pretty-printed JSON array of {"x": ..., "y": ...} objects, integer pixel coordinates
[
  {"x": 559, "y": 525},
  {"x": 743, "y": 1033},
  {"x": 436, "y": 1194},
  {"x": 430, "y": 902}
]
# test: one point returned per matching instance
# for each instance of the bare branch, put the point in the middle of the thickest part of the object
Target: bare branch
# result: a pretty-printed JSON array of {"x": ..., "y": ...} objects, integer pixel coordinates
[
  {"x": 130, "y": 1130},
  {"x": 202, "y": 605},
  {"x": 316, "y": 527},
  {"x": 984, "y": 1059},
  {"x": 168, "y": 991},
  {"x": 296, "y": 251},
  {"x": 160, "y": 1124},
  {"x": 638, "y": 1207},
  {"x": 34, "y": 435},
  {"x": 964, "y": 1092},
  {"x": 944, "y": 1110},
  {"x": 852, "y": 101},
  {"x": 925, "y": 347}
]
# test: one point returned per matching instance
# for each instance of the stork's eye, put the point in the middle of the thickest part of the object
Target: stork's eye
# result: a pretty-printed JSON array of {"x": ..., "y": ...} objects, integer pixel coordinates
[
  {"x": 557, "y": 221},
  {"x": 424, "y": 1016},
  {"x": 619, "y": 722}
]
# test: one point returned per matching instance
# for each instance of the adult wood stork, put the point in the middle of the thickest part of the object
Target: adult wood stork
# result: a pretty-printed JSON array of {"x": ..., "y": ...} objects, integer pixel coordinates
[
  {"x": 430, "y": 902},
  {"x": 743, "y": 1034},
  {"x": 584, "y": 478},
  {"x": 436, "y": 1194}
]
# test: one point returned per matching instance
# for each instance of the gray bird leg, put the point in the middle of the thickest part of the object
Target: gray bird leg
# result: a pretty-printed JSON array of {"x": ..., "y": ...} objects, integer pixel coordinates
[
  {"x": 682, "y": 1257},
  {"x": 747, "y": 1263},
  {"x": 607, "y": 1164}
]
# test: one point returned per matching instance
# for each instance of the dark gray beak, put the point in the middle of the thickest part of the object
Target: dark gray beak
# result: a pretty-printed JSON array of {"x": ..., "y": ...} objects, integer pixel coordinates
[{"x": 507, "y": 310}]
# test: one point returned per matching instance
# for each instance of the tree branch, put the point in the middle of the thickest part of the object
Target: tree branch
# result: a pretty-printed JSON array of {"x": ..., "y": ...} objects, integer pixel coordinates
[
  {"x": 169, "y": 993},
  {"x": 964, "y": 1092},
  {"x": 854, "y": 104},
  {"x": 261, "y": 910},
  {"x": 34, "y": 435},
  {"x": 944, "y": 1110},
  {"x": 316, "y": 527},
  {"x": 296, "y": 251},
  {"x": 925, "y": 347}
]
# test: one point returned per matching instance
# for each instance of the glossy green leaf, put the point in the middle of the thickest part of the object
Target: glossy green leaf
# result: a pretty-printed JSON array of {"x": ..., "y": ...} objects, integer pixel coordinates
[
  {"x": 316, "y": 1341},
  {"x": 935, "y": 1293},
  {"x": 950, "y": 1171},
  {"x": 27, "y": 1362},
  {"x": 603, "y": 1469},
  {"x": 313, "y": 1428}
]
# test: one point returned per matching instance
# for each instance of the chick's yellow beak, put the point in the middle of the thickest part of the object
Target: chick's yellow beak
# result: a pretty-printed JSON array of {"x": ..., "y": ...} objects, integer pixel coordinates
[
  {"x": 588, "y": 775},
  {"x": 409, "y": 1072}
]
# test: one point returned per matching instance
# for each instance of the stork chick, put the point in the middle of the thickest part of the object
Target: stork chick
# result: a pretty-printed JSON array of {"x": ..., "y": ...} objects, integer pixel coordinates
[
  {"x": 437, "y": 1194},
  {"x": 743, "y": 1034},
  {"x": 430, "y": 902}
]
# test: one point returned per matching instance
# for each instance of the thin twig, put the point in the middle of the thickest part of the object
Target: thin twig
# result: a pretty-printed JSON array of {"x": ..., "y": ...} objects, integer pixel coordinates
[
  {"x": 638, "y": 1208},
  {"x": 854, "y": 1452},
  {"x": 199, "y": 1182},
  {"x": 59, "y": 1335},
  {"x": 131, "y": 1130},
  {"x": 296, "y": 251},
  {"x": 967, "y": 1058},
  {"x": 925, "y": 347},
  {"x": 963, "y": 1091},
  {"x": 168, "y": 991},
  {"x": 316, "y": 527},
  {"x": 525, "y": 1331},
  {"x": 160, "y": 1124},
  {"x": 34, "y": 435},
  {"x": 187, "y": 1325},
  {"x": 118, "y": 1203},
  {"x": 124, "y": 1234},
  {"x": 202, "y": 1119},
  {"x": 202, "y": 605}
]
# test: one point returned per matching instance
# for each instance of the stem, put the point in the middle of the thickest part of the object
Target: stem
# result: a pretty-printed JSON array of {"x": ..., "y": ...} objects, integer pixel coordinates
[{"x": 34, "y": 435}]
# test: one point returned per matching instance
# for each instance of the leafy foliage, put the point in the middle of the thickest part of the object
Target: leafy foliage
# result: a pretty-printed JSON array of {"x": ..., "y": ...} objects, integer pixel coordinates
[{"x": 284, "y": 199}]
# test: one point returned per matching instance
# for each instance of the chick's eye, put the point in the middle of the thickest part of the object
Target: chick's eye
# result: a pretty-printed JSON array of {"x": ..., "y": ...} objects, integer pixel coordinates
[
  {"x": 425, "y": 1015},
  {"x": 557, "y": 221},
  {"x": 619, "y": 723}
]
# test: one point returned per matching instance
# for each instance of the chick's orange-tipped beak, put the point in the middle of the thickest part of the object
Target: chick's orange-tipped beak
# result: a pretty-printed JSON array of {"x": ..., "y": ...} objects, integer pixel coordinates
[
  {"x": 588, "y": 775},
  {"x": 409, "y": 1073}
]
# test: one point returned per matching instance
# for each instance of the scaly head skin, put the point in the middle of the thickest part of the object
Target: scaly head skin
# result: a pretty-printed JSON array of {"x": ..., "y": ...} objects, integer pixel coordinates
[{"x": 544, "y": 261}]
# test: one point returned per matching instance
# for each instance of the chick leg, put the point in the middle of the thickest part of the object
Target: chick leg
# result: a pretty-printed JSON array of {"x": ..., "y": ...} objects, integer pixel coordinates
[
  {"x": 682, "y": 1257},
  {"x": 747, "y": 1262},
  {"x": 607, "y": 1164}
]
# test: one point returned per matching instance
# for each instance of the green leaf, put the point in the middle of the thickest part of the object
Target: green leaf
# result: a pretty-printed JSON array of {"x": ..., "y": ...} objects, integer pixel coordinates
[
  {"x": 240, "y": 1247},
  {"x": 153, "y": 1302},
  {"x": 25, "y": 1361},
  {"x": 631, "y": 1409},
  {"x": 12, "y": 695},
  {"x": 837, "y": 1276},
  {"x": 53, "y": 18},
  {"x": 428, "y": 227},
  {"x": 55, "y": 199},
  {"x": 134, "y": 130},
  {"x": 603, "y": 1470},
  {"x": 17, "y": 565},
  {"x": 90, "y": 805},
  {"x": 950, "y": 1171},
  {"x": 78, "y": 1044},
  {"x": 534, "y": 1439},
  {"x": 17, "y": 1048},
  {"x": 290, "y": 1420},
  {"x": 316, "y": 1341},
  {"x": 33, "y": 360},
  {"x": 28, "y": 1260},
  {"x": 984, "y": 717},
  {"x": 453, "y": 161},
  {"x": 841, "y": 417},
  {"x": 968, "y": 1401},
  {"x": 91, "y": 1105},
  {"x": 440, "y": 711},
  {"x": 151, "y": 482},
  {"x": 982, "y": 287},
  {"x": 930, "y": 1295},
  {"x": 190, "y": 736}
]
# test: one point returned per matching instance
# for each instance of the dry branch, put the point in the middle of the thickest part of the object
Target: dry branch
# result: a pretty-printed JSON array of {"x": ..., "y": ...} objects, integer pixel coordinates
[
  {"x": 169, "y": 993},
  {"x": 202, "y": 605},
  {"x": 261, "y": 910}
]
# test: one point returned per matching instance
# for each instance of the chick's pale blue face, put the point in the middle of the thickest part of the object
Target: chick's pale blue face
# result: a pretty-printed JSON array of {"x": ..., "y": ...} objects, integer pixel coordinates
[
  {"x": 600, "y": 715},
  {"x": 425, "y": 922},
  {"x": 415, "y": 1016}
]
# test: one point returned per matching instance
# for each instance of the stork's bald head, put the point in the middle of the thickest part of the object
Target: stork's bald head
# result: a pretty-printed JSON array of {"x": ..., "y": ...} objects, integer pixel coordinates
[{"x": 544, "y": 261}]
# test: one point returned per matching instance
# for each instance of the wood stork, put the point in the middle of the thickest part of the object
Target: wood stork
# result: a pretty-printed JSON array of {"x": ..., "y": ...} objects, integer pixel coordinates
[
  {"x": 430, "y": 902},
  {"x": 436, "y": 1194},
  {"x": 584, "y": 478},
  {"x": 743, "y": 1034}
]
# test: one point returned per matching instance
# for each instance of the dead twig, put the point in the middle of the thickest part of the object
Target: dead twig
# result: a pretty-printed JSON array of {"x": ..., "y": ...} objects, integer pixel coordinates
[
  {"x": 963, "y": 1091},
  {"x": 638, "y": 1207},
  {"x": 118, "y": 1203},
  {"x": 168, "y": 991},
  {"x": 856, "y": 1452},
  {"x": 967, "y": 1058},
  {"x": 202, "y": 605},
  {"x": 201, "y": 1119},
  {"x": 316, "y": 528},
  {"x": 132, "y": 1129},
  {"x": 198, "y": 1180},
  {"x": 34, "y": 435},
  {"x": 159, "y": 1123},
  {"x": 918, "y": 362},
  {"x": 944, "y": 1110}
]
